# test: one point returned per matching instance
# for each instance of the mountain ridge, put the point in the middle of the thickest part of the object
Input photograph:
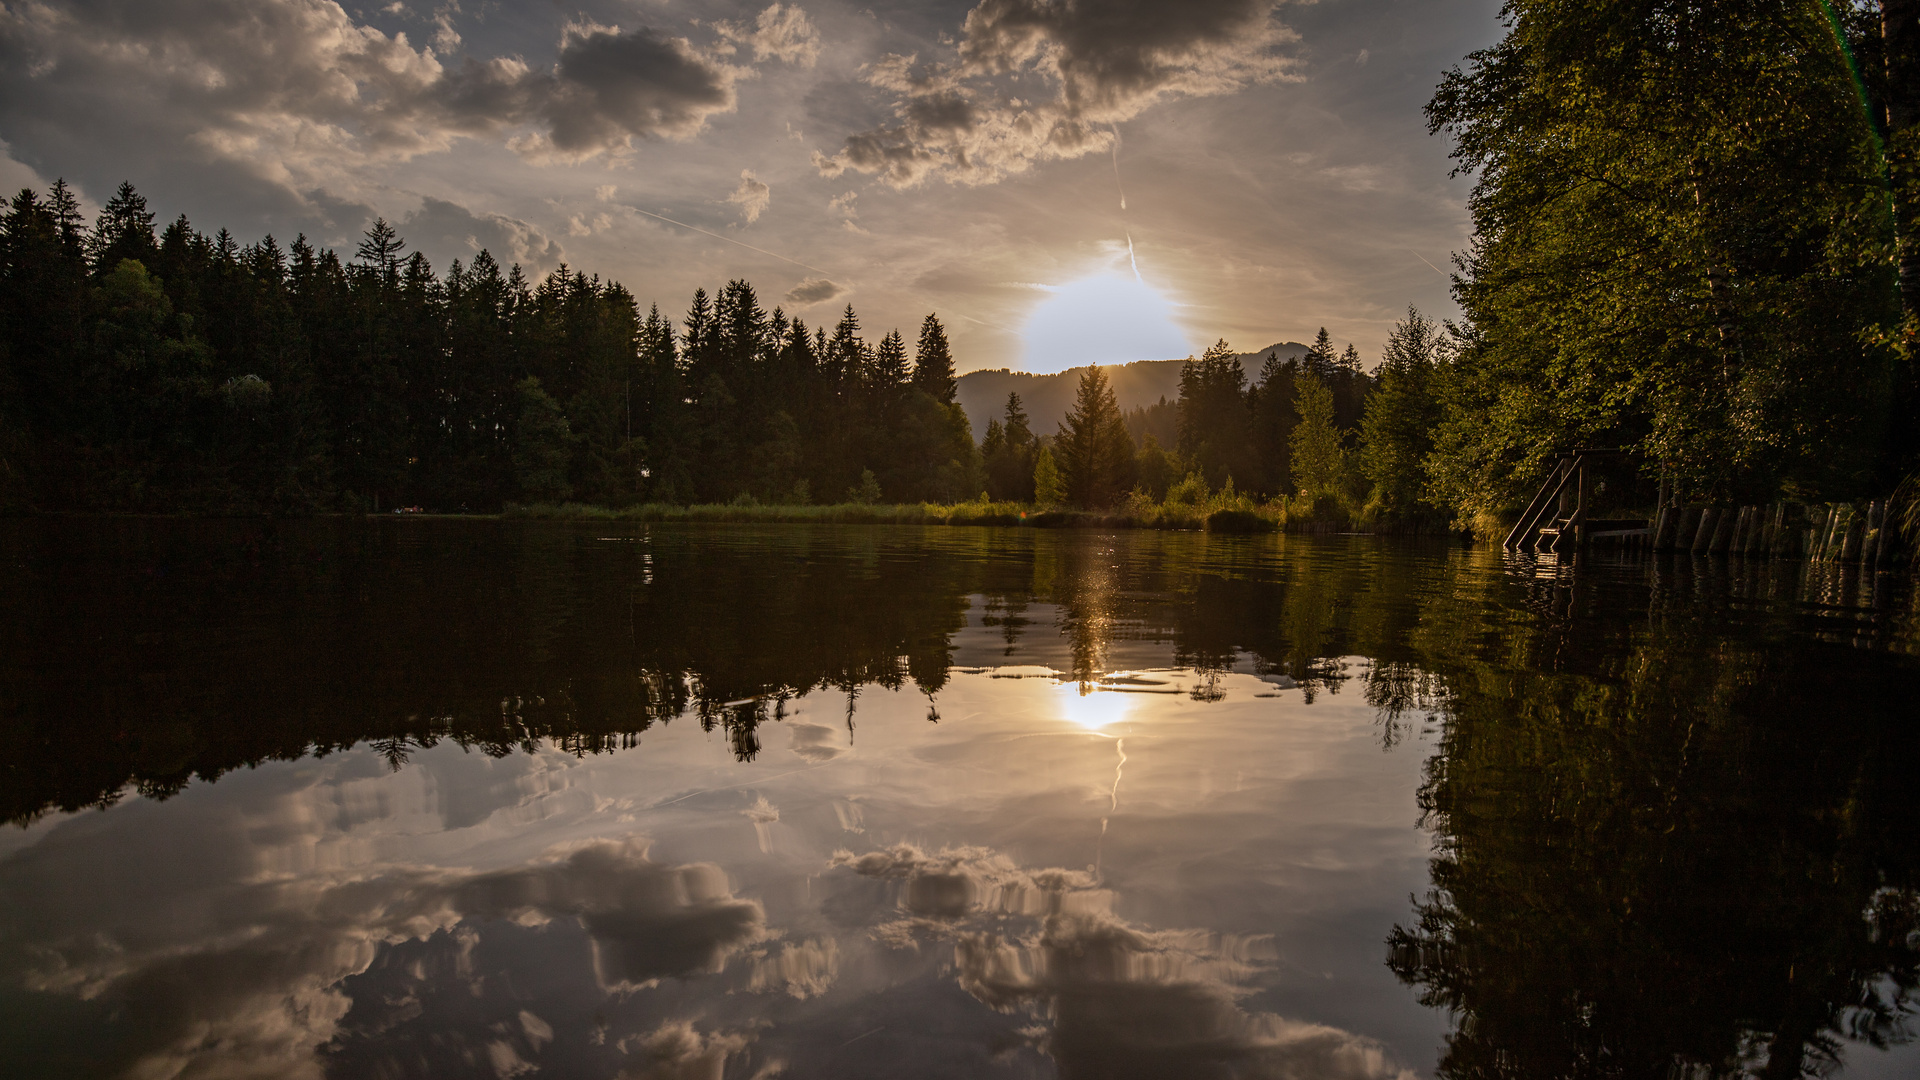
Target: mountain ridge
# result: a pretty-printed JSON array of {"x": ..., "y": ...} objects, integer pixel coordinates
[{"x": 1048, "y": 398}]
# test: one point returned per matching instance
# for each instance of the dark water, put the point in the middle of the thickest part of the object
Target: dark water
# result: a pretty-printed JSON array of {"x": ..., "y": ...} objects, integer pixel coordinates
[{"x": 450, "y": 799}]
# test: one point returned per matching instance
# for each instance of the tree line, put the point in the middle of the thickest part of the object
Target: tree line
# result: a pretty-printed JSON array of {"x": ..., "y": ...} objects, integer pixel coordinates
[
  {"x": 1319, "y": 429},
  {"x": 183, "y": 371},
  {"x": 170, "y": 370}
]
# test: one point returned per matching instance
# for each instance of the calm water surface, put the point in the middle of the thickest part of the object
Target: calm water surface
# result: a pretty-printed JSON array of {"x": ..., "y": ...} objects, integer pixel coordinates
[{"x": 451, "y": 799}]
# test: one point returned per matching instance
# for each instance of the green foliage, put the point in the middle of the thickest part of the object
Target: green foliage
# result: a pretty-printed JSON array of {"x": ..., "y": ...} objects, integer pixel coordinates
[
  {"x": 1319, "y": 462},
  {"x": 1049, "y": 489},
  {"x": 866, "y": 492},
  {"x": 543, "y": 444},
  {"x": 1154, "y": 468},
  {"x": 1402, "y": 413},
  {"x": 1682, "y": 245}
]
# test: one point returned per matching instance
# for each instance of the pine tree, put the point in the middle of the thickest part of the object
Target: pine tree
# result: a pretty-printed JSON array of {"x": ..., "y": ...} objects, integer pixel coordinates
[
  {"x": 933, "y": 362},
  {"x": 890, "y": 362},
  {"x": 124, "y": 230},
  {"x": 1010, "y": 462},
  {"x": 1096, "y": 453},
  {"x": 1320, "y": 362},
  {"x": 1213, "y": 416},
  {"x": 381, "y": 247},
  {"x": 1273, "y": 417}
]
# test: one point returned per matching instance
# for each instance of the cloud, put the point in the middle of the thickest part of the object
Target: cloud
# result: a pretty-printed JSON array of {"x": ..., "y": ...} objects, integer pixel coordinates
[
  {"x": 447, "y": 231},
  {"x": 751, "y": 196},
  {"x": 780, "y": 32},
  {"x": 764, "y": 816},
  {"x": 1104, "y": 64},
  {"x": 1124, "y": 1000},
  {"x": 814, "y": 290},
  {"x": 258, "y": 997},
  {"x": 677, "y": 1051},
  {"x": 806, "y": 969},
  {"x": 303, "y": 95}
]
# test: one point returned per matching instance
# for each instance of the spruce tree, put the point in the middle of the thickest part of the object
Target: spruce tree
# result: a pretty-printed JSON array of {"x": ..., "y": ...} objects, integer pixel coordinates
[
  {"x": 1096, "y": 453},
  {"x": 890, "y": 362},
  {"x": 381, "y": 247},
  {"x": 1010, "y": 462},
  {"x": 124, "y": 230},
  {"x": 933, "y": 362},
  {"x": 1213, "y": 416},
  {"x": 1320, "y": 361}
]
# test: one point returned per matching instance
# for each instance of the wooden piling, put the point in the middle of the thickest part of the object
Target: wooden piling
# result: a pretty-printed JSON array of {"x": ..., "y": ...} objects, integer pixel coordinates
[{"x": 1703, "y": 537}]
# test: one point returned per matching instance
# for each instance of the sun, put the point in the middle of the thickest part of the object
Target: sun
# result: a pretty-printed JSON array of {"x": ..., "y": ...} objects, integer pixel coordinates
[{"x": 1109, "y": 318}]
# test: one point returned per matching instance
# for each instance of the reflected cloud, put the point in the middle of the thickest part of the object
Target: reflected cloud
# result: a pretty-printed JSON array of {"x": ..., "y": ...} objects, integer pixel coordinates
[
  {"x": 260, "y": 992},
  {"x": 1123, "y": 1000},
  {"x": 816, "y": 743}
]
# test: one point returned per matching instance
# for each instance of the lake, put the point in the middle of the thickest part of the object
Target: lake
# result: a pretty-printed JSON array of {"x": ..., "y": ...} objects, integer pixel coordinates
[{"x": 451, "y": 798}]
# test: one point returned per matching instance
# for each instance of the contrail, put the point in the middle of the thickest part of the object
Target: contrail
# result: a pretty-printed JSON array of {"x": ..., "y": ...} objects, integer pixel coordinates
[
  {"x": 1116, "y": 166},
  {"x": 1430, "y": 266},
  {"x": 728, "y": 239},
  {"x": 1131, "y": 259}
]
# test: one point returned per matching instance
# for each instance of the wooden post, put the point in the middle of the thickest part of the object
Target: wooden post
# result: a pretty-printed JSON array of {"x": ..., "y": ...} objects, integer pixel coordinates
[
  {"x": 1709, "y": 521},
  {"x": 1689, "y": 524},
  {"x": 1855, "y": 533},
  {"x": 1723, "y": 531}
]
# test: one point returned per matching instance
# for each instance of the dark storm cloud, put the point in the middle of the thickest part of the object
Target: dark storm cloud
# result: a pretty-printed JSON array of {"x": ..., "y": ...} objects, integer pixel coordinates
[
  {"x": 609, "y": 87},
  {"x": 1124, "y": 1000},
  {"x": 255, "y": 992},
  {"x": 303, "y": 94},
  {"x": 1101, "y": 62}
]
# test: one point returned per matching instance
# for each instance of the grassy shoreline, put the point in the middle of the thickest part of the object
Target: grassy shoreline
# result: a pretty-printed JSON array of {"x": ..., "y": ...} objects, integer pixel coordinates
[{"x": 1214, "y": 515}]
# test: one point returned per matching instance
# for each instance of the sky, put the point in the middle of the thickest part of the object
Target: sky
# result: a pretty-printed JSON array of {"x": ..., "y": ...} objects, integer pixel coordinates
[{"x": 1062, "y": 181}]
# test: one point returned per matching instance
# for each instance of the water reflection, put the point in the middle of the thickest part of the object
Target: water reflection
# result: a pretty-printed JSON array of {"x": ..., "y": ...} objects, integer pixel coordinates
[
  {"x": 1676, "y": 844},
  {"x": 477, "y": 799}
]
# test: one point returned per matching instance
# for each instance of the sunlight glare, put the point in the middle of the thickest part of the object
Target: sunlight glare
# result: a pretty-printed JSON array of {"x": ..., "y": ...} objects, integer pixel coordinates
[
  {"x": 1094, "y": 711},
  {"x": 1109, "y": 318}
]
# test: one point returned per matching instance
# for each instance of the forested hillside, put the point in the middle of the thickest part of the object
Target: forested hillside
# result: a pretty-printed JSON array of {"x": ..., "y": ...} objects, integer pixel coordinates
[{"x": 1136, "y": 385}]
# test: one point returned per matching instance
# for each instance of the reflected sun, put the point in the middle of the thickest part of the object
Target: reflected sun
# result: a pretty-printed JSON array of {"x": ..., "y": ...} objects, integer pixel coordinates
[
  {"x": 1109, "y": 318},
  {"x": 1094, "y": 711}
]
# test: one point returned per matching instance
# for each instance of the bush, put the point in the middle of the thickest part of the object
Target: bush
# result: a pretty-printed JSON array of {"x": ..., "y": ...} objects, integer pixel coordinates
[{"x": 1239, "y": 521}]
